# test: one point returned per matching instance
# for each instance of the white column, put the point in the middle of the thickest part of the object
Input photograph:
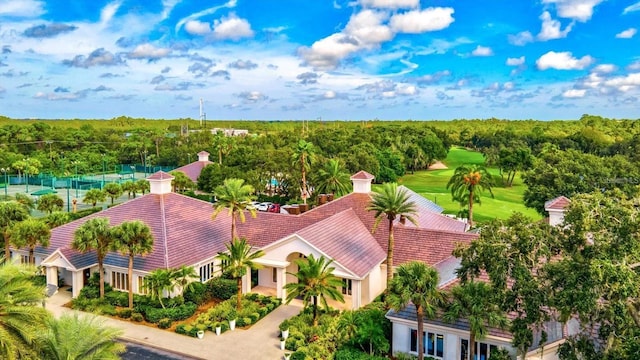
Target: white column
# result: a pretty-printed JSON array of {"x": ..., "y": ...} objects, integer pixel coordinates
[
  {"x": 52, "y": 275},
  {"x": 356, "y": 294},
  {"x": 281, "y": 275},
  {"x": 77, "y": 283}
]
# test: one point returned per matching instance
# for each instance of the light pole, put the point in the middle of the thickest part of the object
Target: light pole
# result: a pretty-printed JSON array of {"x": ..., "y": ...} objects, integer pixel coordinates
[
  {"x": 76, "y": 164},
  {"x": 133, "y": 172},
  {"x": 145, "y": 163},
  {"x": 68, "y": 197},
  {"x": 6, "y": 181},
  {"x": 26, "y": 173},
  {"x": 103, "y": 169}
]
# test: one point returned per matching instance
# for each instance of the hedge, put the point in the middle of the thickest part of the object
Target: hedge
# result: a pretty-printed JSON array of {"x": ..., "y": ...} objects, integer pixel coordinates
[
  {"x": 222, "y": 289},
  {"x": 196, "y": 293},
  {"x": 181, "y": 312}
]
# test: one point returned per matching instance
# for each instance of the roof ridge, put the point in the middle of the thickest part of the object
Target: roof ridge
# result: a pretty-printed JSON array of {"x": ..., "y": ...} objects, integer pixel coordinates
[
  {"x": 465, "y": 233},
  {"x": 163, "y": 221}
]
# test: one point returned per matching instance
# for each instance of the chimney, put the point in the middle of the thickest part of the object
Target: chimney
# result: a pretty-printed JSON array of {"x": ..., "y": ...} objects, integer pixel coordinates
[
  {"x": 322, "y": 199},
  {"x": 203, "y": 156},
  {"x": 160, "y": 183},
  {"x": 362, "y": 182}
]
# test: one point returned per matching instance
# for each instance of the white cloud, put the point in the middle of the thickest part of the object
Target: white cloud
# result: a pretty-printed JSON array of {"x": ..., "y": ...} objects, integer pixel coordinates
[
  {"x": 107, "y": 12},
  {"x": 148, "y": 51},
  {"x": 627, "y": 34},
  {"x": 420, "y": 21},
  {"x": 551, "y": 29},
  {"x": 515, "y": 61},
  {"x": 624, "y": 83},
  {"x": 366, "y": 26},
  {"x": 391, "y": 4},
  {"x": 581, "y": 10},
  {"x": 21, "y": 8},
  {"x": 209, "y": 11},
  {"x": 563, "y": 61},
  {"x": 574, "y": 93},
  {"x": 604, "y": 68},
  {"x": 195, "y": 27},
  {"x": 521, "y": 38},
  {"x": 632, "y": 8},
  {"x": 406, "y": 90},
  {"x": 232, "y": 27},
  {"x": 330, "y": 94},
  {"x": 327, "y": 53},
  {"x": 482, "y": 51}
]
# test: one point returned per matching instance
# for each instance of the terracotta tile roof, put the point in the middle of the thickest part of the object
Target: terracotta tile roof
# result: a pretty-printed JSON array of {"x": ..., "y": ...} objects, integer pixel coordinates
[
  {"x": 421, "y": 201},
  {"x": 356, "y": 249},
  {"x": 160, "y": 175},
  {"x": 362, "y": 175},
  {"x": 559, "y": 203},
  {"x": 194, "y": 169}
]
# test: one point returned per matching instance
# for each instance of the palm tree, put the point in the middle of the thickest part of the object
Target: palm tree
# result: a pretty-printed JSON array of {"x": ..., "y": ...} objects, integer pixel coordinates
[
  {"x": 185, "y": 276},
  {"x": 466, "y": 184},
  {"x": 390, "y": 203},
  {"x": 333, "y": 179},
  {"x": 113, "y": 191},
  {"x": 11, "y": 212},
  {"x": 416, "y": 282},
  {"x": 304, "y": 156},
  {"x": 94, "y": 196},
  {"x": 21, "y": 317},
  {"x": 26, "y": 201},
  {"x": 30, "y": 233},
  {"x": 132, "y": 238},
  {"x": 50, "y": 203},
  {"x": 236, "y": 197},
  {"x": 475, "y": 301},
  {"x": 315, "y": 280},
  {"x": 75, "y": 337},
  {"x": 56, "y": 219},
  {"x": 95, "y": 234},
  {"x": 143, "y": 186},
  {"x": 129, "y": 187},
  {"x": 159, "y": 281},
  {"x": 237, "y": 259},
  {"x": 181, "y": 181}
]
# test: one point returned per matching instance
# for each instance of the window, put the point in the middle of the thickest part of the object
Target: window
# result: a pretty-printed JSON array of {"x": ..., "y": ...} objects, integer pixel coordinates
[
  {"x": 141, "y": 289},
  {"x": 483, "y": 350},
  {"x": 223, "y": 265},
  {"x": 24, "y": 259},
  {"x": 346, "y": 286},
  {"x": 119, "y": 281},
  {"x": 433, "y": 343},
  {"x": 207, "y": 271},
  {"x": 274, "y": 275}
]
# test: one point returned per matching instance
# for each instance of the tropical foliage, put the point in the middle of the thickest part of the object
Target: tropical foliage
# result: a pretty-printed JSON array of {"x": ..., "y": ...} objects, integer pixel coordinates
[
  {"x": 235, "y": 197},
  {"x": 467, "y": 183},
  {"x": 95, "y": 235},
  {"x": 30, "y": 233},
  {"x": 236, "y": 260}
]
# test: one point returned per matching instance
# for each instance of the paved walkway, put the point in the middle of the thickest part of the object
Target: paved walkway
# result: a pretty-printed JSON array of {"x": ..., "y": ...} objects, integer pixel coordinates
[{"x": 261, "y": 341}]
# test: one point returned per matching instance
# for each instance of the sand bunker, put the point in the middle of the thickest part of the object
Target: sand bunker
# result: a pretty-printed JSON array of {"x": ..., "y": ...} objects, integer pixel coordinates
[{"x": 438, "y": 165}]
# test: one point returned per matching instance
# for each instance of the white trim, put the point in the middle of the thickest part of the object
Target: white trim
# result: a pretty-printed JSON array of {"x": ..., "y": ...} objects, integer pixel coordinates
[
  {"x": 272, "y": 263},
  {"x": 47, "y": 261},
  {"x": 459, "y": 332}
]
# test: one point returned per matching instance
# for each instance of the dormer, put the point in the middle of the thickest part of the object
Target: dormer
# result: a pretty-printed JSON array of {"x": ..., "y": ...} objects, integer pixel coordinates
[
  {"x": 160, "y": 183},
  {"x": 362, "y": 182},
  {"x": 203, "y": 156},
  {"x": 556, "y": 208}
]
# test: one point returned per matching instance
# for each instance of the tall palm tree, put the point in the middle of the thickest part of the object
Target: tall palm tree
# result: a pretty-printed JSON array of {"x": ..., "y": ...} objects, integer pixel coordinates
[
  {"x": 94, "y": 196},
  {"x": 95, "y": 234},
  {"x": 304, "y": 156},
  {"x": 315, "y": 280},
  {"x": 416, "y": 282},
  {"x": 476, "y": 302},
  {"x": 132, "y": 238},
  {"x": 113, "y": 191},
  {"x": 391, "y": 203},
  {"x": 21, "y": 316},
  {"x": 50, "y": 203},
  {"x": 332, "y": 178},
  {"x": 11, "y": 212},
  {"x": 75, "y": 337},
  {"x": 26, "y": 201},
  {"x": 466, "y": 184},
  {"x": 238, "y": 258},
  {"x": 30, "y": 233},
  {"x": 235, "y": 196}
]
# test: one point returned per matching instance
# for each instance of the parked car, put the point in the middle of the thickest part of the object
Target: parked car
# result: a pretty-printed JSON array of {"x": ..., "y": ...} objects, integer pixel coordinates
[
  {"x": 264, "y": 206},
  {"x": 254, "y": 204}
]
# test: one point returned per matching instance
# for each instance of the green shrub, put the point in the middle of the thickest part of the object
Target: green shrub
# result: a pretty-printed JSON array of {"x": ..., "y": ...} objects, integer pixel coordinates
[
  {"x": 298, "y": 355},
  {"x": 164, "y": 323},
  {"x": 284, "y": 325},
  {"x": 137, "y": 317},
  {"x": 82, "y": 213},
  {"x": 254, "y": 317},
  {"x": 181, "y": 312},
  {"x": 270, "y": 307},
  {"x": 355, "y": 354},
  {"x": 196, "y": 293},
  {"x": 263, "y": 311},
  {"x": 107, "y": 309},
  {"x": 117, "y": 298},
  {"x": 222, "y": 289},
  {"x": 246, "y": 321},
  {"x": 124, "y": 313}
]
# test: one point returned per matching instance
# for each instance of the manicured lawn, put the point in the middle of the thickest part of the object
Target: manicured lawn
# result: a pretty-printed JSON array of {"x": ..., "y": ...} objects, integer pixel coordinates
[{"x": 432, "y": 184}]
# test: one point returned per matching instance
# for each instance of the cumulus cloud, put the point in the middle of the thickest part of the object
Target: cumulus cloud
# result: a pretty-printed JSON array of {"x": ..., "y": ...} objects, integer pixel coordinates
[
  {"x": 48, "y": 31},
  {"x": 627, "y": 34},
  {"x": 520, "y": 39},
  {"x": 60, "y": 89},
  {"x": 199, "y": 69},
  {"x": 632, "y": 8},
  {"x": 148, "y": 51},
  {"x": 388, "y": 89},
  {"x": 232, "y": 28},
  {"x": 22, "y": 8},
  {"x": 581, "y": 10},
  {"x": 242, "y": 65},
  {"x": 515, "y": 61},
  {"x": 6, "y": 49},
  {"x": 110, "y": 75},
  {"x": 482, "y": 51},
  {"x": 391, "y": 4},
  {"x": 157, "y": 80},
  {"x": 563, "y": 61},
  {"x": 221, "y": 73},
  {"x": 574, "y": 93},
  {"x": 420, "y": 21},
  {"x": 98, "y": 57},
  {"x": 440, "y": 95},
  {"x": 165, "y": 70},
  {"x": 252, "y": 96},
  {"x": 604, "y": 68},
  {"x": 59, "y": 96},
  {"x": 366, "y": 28},
  {"x": 432, "y": 78},
  {"x": 182, "y": 86},
  {"x": 307, "y": 78},
  {"x": 494, "y": 89},
  {"x": 551, "y": 28},
  {"x": 13, "y": 73},
  {"x": 195, "y": 27},
  {"x": 183, "y": 97}
]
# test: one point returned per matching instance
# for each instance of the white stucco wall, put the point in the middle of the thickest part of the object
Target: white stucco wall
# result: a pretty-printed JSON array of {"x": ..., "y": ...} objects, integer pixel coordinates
[
  {"x": 265, "y": 277},
  {"x": 556, "y": 217}
]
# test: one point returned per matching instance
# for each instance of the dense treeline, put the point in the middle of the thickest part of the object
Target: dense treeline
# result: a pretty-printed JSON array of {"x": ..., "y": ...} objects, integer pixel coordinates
[{"x": 553, "y": 158}]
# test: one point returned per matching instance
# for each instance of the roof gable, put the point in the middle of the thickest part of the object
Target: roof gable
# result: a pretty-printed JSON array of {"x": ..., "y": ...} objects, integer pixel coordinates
[
  {"x": 362, "y": 175},
  {"x": 559, "y": 203}
]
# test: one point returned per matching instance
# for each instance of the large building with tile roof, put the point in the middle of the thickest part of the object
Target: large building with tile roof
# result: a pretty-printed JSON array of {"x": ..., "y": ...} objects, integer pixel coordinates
[
  {"x": 185, "y": 234},
  {"x": 194, "y": 169}
]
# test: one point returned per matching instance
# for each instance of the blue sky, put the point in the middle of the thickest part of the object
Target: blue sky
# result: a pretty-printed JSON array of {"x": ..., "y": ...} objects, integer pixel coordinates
[{"x": 340, "y": 59}]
